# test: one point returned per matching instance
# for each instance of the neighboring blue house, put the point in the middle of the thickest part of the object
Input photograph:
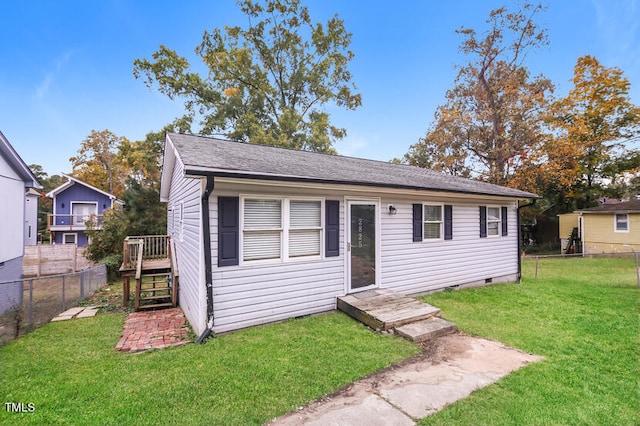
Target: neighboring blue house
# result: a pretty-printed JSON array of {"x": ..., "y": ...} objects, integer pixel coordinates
[
  {"x": 75, "y": 203},
  {"x": 18, "y": 220}
]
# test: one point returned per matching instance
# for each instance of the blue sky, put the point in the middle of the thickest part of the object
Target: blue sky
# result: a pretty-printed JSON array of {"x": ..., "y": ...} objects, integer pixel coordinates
[{"x": 66, "y": 66}]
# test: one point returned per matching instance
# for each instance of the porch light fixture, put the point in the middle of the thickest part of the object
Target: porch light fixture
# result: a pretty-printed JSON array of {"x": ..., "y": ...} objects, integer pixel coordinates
[{"x": 392, "y": 209}]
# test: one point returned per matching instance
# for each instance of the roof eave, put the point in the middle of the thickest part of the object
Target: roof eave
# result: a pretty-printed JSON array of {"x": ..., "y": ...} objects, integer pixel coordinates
[
  {"x": 17, "y": 163},
  {"x": 203, "y": 171},
  {"x": 70, "y": 181}
]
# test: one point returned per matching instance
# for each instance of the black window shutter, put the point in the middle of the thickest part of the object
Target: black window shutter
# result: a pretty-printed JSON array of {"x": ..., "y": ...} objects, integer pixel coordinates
[
  {"x": 505, "y": 227},
  {"x": 417, "y": 222},
  {"x": 228, "y": 231},
  {"x": 332, "y": 228},
  {"x": 483, "y": 221},
  {"x": 448, "y": 222}
]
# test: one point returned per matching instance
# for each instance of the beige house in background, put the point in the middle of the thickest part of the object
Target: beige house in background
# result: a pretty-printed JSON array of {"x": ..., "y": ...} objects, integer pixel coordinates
[{"x": 608, "y": 228}]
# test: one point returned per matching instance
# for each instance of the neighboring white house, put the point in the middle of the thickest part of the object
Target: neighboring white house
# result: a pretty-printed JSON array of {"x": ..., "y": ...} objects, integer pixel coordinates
[
  {"x": 18, "y": 214},
  {"x": 264, "y": 234}
]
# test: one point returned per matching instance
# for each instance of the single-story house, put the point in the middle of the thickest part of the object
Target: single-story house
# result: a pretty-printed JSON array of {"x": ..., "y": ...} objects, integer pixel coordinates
[
  {"x": 607, "y": 228},
  {"x": 18, "y": 220},
  {"x": 75, "y": 203},
  {"x": 264, "y": 233}
]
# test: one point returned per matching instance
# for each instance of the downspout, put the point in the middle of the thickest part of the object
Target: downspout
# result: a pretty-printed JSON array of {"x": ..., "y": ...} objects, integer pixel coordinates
[
  {"x": 208, "y": 269},
  {"x": 533, "y": 201}
]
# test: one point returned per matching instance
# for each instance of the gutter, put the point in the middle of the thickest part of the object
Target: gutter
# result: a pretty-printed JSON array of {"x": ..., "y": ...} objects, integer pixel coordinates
[
  {"x": 208, "y": 269},
  {"x": 533, "y": 202}
]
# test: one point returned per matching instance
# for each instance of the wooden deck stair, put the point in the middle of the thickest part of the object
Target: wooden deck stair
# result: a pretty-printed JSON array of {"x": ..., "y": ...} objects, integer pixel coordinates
[
  {"x": 154, "y": 290},
  {"x": 386, "y": 310},
  {"x": 151, "y": 260}
]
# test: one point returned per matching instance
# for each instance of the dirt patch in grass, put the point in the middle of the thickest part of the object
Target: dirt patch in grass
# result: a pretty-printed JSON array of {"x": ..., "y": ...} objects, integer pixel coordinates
[{"x": 109, "y": 299}]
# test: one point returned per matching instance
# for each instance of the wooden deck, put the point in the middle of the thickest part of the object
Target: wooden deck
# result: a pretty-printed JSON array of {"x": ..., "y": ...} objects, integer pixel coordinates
[
  {"x": 384, "y": 309},
  {"x": 151, "y": 260}
]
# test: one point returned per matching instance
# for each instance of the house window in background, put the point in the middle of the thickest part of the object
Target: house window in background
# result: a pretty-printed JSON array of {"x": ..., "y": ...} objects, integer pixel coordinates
[{"x": 622, "y": 223}]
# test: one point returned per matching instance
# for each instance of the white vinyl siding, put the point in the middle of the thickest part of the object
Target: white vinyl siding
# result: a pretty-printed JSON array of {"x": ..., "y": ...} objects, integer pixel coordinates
[
  {"x": 467, "y": 259},
  {"x": 280, "y": 229},
  {"x": 11, "y": 214},
  {"x": 621, "y": 222},
  {"x": 493, "y": 221},
  {"x": 181, "y": 222},
  {"x": 432, "y": 227},
  {"x": 184, "y": 196},
  {"x": 261, "y": 292},
  {"x": 256, "y": 293}
]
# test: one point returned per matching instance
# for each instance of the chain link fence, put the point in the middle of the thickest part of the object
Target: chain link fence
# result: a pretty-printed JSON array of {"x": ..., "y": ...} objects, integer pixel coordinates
[
  {"x": 28, "y": 303},
  {"x": 625, "y": 255}
]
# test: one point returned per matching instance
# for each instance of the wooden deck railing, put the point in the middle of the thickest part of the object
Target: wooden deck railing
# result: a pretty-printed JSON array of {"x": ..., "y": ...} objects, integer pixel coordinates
[
  {"x": 73, "y": 221},
  {"x": 150, "y": 246}
]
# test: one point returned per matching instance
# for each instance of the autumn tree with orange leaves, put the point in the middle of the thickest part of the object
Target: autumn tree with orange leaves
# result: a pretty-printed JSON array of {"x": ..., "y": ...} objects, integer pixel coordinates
[
  {"x": 108, "y": 161},
  {"x": 593, "y": 125},
  {"x": 99, "y": 164},
  {"x": 493, "y": 118}
]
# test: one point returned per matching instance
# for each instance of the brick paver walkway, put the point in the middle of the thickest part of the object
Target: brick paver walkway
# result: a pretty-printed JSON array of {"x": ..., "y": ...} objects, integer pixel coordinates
[{"x": 153, "y": 330}]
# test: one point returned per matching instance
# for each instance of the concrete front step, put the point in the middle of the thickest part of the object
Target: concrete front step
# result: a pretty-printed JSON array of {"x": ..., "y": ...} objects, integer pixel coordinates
[{"x": 421, "y": 331}]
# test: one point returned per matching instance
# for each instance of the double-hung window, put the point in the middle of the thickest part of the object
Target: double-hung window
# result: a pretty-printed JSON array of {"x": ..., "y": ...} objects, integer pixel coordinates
[
  {"x": 493, "y": 221},
  {"x": 432, "y": 228},
  {"x": 262, "y": 229},
  {"x": 622, "y": 223},
  {"x": 281, "y": 228},
  {"x": 305, "y": 228}
]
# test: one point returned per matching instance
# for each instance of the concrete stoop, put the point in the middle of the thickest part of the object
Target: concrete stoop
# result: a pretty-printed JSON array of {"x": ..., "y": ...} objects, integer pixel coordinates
[{"x": 424, "y": 330}]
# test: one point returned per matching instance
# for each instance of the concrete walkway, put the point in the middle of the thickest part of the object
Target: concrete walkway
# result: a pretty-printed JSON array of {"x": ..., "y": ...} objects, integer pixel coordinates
[
  {"x": 450, "y": 368},
  {"x": 77, "y": 312}
]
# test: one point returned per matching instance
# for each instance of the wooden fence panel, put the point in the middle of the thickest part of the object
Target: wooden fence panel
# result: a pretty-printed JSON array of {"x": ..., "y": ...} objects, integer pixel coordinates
[{"x": 40, "y": 260}]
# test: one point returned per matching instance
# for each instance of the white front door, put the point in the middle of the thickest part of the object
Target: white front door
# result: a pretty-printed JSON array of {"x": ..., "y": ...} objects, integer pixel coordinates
[{"x": 362, "y": 245}]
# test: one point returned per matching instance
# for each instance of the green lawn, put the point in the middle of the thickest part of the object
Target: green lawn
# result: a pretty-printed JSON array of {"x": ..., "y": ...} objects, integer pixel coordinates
[
  {"x": 71, "y": 373},
  {"x": 583, "y": 316}
]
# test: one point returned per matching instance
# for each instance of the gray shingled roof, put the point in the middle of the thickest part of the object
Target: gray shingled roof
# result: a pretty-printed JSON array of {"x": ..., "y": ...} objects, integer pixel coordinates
[
  {"x": 624, "y": 207},
  {"x": 206, "y": 155}
]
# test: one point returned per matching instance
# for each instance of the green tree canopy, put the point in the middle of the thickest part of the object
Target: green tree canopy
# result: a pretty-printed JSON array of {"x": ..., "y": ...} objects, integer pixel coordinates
[{"x": 267, "y": 82}]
